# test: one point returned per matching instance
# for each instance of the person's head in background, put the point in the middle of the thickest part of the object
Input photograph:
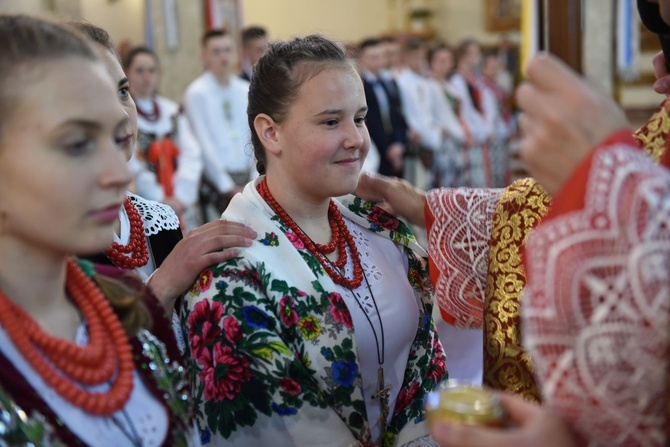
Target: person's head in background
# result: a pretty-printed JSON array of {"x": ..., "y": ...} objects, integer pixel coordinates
[
  {"x": 255, "y": 42},
  {"x": 393, "y": 53},
  {"x": 219, "y": 54},
  {"x": 441, "y": 61},
  {"x": 491, "y": 66},
  {"x": 664, "y": 9},
  {"x": 371, "y": 55},
  {"x": 504, "y": 44},
  {"x": 110, "y": 57},
  {"x": 63, "y": 175},
  {"x": 307, "y": 115},
  {"x": 414, "y": 55},
  {"x": 143, "y": 71},
  {"x": 468, "y": 56}
]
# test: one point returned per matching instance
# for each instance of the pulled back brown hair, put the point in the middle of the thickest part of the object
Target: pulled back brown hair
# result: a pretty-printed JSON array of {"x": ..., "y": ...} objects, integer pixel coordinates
[
  {"x": 278, "y": 75},
  {"x": 26, "y": 42}
]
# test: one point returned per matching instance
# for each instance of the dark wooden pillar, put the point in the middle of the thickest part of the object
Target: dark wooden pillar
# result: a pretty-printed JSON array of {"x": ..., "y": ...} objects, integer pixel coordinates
[{"x": 563, "y": 28}]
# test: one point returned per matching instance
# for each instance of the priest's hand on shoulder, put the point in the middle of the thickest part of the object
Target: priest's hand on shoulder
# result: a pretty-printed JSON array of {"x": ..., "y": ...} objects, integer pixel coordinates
[
  {"x": 395, "y": 195},
  {"x": 564, "y": 118}
]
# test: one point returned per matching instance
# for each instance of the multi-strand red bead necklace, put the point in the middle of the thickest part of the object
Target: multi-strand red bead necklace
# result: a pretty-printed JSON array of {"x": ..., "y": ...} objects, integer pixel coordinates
[
  {"x": 62, "y": 364},
  {"x": 341, "y": 238},
  {"x": 135, "y": 253}
]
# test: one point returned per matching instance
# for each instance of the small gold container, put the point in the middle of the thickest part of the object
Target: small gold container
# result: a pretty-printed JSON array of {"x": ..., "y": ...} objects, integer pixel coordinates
[{"x": 458, "y": 402}]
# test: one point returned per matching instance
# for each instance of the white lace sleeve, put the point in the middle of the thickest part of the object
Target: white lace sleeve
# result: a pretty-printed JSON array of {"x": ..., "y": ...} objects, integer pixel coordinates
[
  {"x": 157, "y": 216},
  {"x": 458, "y": 244},
  {"x": 597, "y": 309}
]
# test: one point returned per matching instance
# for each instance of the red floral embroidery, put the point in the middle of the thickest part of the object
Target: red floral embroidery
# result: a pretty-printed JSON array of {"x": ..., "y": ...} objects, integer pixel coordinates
[
  {"x": 203, "y": 323},
  {"x": 287, "y": 312},
  {"x": 223, "y": 375},
  {"x": 338, "y": 310},
  {"x": 205, "y": 280},
  {"x": 233, "y": 330},
  {"x": 290, "y": 386},
  {"x": 295, "y": 240},
  {"x": 383, "y": 219},
  {"x": 405, "y": 397},
  {"x": 438, "y": 365}
]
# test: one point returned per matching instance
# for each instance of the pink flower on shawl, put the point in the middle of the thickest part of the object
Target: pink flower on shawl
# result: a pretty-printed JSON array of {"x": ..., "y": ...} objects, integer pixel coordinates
[
  {"x": 405, "y": 397},
  {"x": 290, "y": 386},
  {"x": 438, "y": 364},
  {"x": 383, "y": 219},
  {"x": 224, "y": 374},
  {"x": 338, "y": 310},
  {"x": 233, "y": 330},
  {"x": 295, "y": 240},
  {"x": 203, "y": 282},
  {"x": 287, "y": 313},
  {"x": 204, "y": 325}
]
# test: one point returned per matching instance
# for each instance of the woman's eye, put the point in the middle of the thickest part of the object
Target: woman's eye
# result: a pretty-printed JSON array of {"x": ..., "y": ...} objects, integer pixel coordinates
[
  {"x": 360, "y": 121},
  {"x": 122, "y": 141},
  {"x": 124, "y": 92},
  {"x": 331, "y": 123},
  {"x": 79, "y": 147}
]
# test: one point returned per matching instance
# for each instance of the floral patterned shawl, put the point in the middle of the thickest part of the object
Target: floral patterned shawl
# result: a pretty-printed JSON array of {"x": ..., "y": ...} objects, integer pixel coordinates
[{"x": 272, "y": 352}]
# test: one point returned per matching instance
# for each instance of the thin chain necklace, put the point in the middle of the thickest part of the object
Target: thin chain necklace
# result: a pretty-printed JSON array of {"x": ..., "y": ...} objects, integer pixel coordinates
[
  {"x": 383, "y": 390},
  {"x": 131, "y": 434}
]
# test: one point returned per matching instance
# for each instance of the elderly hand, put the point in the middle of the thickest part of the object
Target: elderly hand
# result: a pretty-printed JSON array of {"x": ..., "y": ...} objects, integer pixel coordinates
[
  {"x": 532, "y": 426},
  {"x": 401, "y": 197},
  {"x": 207, "y": 245},
  {"x": 662, "y": 84},
  {"x": 564, "y": 118}
]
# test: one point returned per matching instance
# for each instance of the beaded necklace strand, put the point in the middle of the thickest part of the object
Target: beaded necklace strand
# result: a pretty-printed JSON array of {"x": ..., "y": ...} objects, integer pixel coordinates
[{"x": 135, "y": 253}]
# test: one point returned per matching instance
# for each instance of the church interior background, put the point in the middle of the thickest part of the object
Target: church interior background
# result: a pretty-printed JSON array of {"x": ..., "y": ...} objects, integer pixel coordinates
[{"x": 173, "y": 28}]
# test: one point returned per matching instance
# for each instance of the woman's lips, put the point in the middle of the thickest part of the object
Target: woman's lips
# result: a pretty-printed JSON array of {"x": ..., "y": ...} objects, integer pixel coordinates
[{"x": 108, "y": 214}]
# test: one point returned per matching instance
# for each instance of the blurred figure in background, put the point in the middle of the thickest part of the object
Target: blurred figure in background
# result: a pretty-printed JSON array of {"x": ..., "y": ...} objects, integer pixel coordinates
[
  {"x": 448, "y": 166},
  {"x": 167, "y": 161},
  {"x": 216, "y": 107},
  {"x": 393, "y": 53},
  {"x": 509, "y": 59},
  {"x": 384, "y": 119},
  {"x": 467, "y": 84},
  {"x": 418, "y": 107},
  {"x": 499, "y": 116},
  {"x": 255, "y": 42}
]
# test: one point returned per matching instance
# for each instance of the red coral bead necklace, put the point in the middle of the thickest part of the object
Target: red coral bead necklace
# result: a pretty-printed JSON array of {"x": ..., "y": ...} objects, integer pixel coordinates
[
  {"x": 341, "y": 239},
  {"x": 64, "y": 365},
  {"x": 135, "y": 253}
]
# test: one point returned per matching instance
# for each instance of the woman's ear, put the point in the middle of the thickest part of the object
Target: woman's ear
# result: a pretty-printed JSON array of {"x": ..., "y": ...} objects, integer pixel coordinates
[{"x": 267, "y": 131}]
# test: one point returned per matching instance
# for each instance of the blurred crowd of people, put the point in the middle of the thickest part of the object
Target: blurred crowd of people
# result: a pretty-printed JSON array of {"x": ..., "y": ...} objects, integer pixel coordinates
[{"x": 438, "y": 116}]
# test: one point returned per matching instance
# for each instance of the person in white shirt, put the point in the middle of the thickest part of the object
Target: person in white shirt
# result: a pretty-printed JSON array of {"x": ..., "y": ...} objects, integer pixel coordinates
[
  {"x": 419, "y": 103},
  {"x": 467, "y": 84},
  {"x": 167, "y": 162},
  {"x": 449, "y": 161},
  {"x": 216, "y": 107}
]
